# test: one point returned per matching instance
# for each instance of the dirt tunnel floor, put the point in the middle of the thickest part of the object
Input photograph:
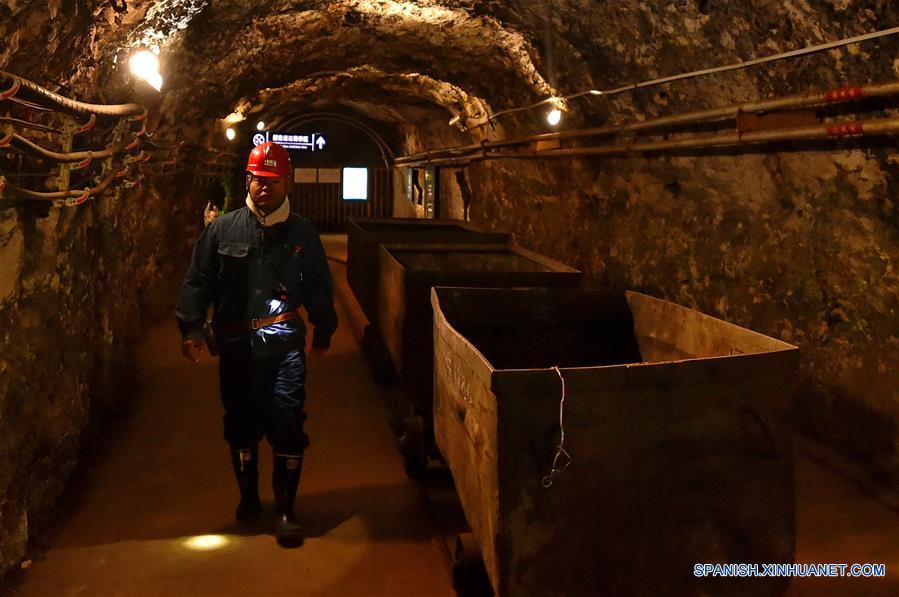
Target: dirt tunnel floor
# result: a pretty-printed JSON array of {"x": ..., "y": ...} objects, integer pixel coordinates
[
  {"x": 164, "y": 478},
  {"x": 167, "y": 479}
]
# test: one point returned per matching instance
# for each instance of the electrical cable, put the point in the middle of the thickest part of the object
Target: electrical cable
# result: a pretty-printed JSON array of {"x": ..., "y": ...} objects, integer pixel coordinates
[
  {"x": 28, "y": 193},
  {"x": 31, "y": 125},
  {"x": 68, "y": 105},
  {"x": 70, "y": 156}
]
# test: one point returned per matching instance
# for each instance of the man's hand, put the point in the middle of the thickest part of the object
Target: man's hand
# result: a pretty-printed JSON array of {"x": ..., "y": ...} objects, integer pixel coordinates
[
  {"x": 320, "y": 342},
  {"x": 191, "y": 348}
]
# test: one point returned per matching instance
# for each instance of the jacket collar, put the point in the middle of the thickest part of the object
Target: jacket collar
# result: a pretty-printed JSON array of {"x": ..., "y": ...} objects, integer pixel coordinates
[{"x": 276, "y": 217}]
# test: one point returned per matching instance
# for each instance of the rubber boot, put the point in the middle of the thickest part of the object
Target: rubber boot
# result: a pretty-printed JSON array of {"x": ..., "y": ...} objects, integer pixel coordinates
[
  {"x": 285, "y": 479},
  {"x": 246, "y": 468}
]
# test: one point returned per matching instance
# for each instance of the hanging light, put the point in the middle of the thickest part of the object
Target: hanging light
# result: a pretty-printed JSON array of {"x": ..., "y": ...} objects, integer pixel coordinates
[
  {"x": 144, "y": 65},
  {"x": 229, "y": 132},
  {"x": 554, "y": 117},
  {"x": 260, "y": 126},
  {"x": 155, "y": 81}
]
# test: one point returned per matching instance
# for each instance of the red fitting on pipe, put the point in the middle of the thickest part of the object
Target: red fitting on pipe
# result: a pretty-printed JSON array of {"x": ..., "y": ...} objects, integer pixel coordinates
[
  {"x": 5, "y": 95},
  {"x": 844, "y": 130},
  {"x": 131, "y": 145},
  {"x": 89, "y": 124},
  {"x": 842, "y": 94},
  {"x": 82, "y": 198},
  {"x": 2, "y": 182},
  {"x": 139, "y": 117},
  {"x": 143, "y": 156},
  {"x": 121, "y": 173},
  {"x": 83, "y": 163},
  {"x": 6, "y": 140}
]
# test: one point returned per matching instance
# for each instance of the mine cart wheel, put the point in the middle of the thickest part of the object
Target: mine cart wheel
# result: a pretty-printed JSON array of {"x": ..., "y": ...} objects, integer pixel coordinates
[
  {"x": 412, "y": 447},
  {"x": 469, "y": 574}
]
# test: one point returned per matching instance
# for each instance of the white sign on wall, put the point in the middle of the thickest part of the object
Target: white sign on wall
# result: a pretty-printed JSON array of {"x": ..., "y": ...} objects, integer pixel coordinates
[
  {"x": 329, "y": 175},
  {"x": 304, "y": 175}
]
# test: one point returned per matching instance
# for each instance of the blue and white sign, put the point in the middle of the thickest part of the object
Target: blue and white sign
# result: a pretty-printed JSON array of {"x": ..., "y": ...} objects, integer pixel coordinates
[{"x": 304, "y": 142}]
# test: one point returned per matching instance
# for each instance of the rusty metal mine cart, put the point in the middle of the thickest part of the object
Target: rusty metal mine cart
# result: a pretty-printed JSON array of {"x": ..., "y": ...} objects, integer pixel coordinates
[
  {"x": 405, "y": 319},
  {"x": 677, "y": 425}
]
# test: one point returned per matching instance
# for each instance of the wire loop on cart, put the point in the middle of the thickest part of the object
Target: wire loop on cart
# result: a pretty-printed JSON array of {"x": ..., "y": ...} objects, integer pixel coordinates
[{"x": 556, "y": 469}]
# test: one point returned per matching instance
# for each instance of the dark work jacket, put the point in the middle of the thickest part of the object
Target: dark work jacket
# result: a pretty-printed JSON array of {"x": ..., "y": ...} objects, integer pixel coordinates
[{"x": 237, "y": 266}]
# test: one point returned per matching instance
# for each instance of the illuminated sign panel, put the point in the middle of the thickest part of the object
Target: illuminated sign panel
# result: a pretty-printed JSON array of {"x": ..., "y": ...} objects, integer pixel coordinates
[
  {"x": 355, "y": 184},
  {"x": 301, "y": 141}
]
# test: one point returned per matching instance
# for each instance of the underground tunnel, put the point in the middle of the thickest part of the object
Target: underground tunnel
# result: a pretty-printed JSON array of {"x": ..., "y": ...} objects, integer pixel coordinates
[{"x": 594, "y": 297}]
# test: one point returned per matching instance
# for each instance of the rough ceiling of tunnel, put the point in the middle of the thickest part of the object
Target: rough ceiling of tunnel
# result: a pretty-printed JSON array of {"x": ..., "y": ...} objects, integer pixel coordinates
[
  {"x": 446, "y": 54},
  {"x": 401, "y": 95},
  {"x": 405, "y": 57}
]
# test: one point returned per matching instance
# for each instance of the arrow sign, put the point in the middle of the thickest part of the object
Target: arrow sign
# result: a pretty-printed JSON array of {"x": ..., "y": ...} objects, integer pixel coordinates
[{"x": 295, "y": 140}]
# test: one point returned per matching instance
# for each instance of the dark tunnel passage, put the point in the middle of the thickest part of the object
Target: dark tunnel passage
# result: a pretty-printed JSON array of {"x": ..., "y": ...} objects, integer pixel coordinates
[{"x": 699, "y": 197}]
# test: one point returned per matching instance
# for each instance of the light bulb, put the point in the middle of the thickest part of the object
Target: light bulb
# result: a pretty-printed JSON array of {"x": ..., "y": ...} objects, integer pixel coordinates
[
  {"x": 143, "y": 64},
  {"x": 230, "y": 134},
  {"x": 155, "y": 81},
  {"x": 554, "y": 116},
  {"x": 260, "y": 126}
]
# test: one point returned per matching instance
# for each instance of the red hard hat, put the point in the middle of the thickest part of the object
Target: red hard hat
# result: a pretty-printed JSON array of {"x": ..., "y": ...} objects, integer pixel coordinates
[{"x": 269, "y": 159}]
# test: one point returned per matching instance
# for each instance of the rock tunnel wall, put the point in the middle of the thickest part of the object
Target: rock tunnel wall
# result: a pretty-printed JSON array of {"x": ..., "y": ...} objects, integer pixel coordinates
[{"x": 76, "y": 291}]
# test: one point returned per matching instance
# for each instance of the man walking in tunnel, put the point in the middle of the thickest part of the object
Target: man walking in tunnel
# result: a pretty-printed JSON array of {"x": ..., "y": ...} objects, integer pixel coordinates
[{"x": 257, "y": 266}]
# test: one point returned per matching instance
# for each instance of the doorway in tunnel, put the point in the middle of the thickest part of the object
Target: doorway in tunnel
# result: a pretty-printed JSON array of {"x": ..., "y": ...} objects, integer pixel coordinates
[
  {"x": 343, "y": 173},
  {"x": 327, "y": 197}
]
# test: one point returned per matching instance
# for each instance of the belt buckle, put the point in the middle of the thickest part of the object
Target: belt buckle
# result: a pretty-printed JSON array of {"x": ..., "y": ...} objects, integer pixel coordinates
[{"x": 254, "y": 323}]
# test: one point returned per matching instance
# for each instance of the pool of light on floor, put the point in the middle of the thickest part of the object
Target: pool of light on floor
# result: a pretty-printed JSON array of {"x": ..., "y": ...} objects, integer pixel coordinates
[{"x": 206, "y": 542}]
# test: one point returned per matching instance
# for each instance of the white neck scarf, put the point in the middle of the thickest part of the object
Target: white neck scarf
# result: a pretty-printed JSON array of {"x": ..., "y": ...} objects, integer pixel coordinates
[{"x": 276, "y": 217}]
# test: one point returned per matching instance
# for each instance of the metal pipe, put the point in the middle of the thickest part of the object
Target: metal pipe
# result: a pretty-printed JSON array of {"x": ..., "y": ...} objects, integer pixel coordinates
[
  {"x": 69, "y": 105},
  {"x": 706, "y": 71},
  {"x": 836, "y": 95},
  {"x": 30, "y": 125},
  {"x": 7, "y": 187},
  {"x": 867, "y": 128},
  {"x": 823, "y": 131},
  {"x": 30, "y": 105},
  {"x": 74, "y": 156}
]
